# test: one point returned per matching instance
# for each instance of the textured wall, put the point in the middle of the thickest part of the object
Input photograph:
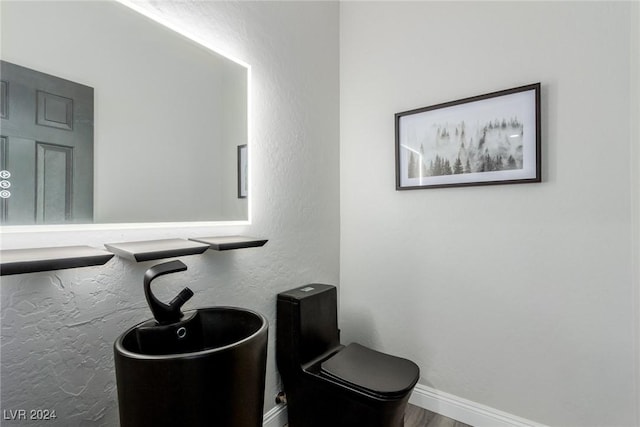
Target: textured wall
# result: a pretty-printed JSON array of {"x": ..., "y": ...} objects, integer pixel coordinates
[
  {"x": 58, "y": 328},
  {"x": 518, "y": 297}
]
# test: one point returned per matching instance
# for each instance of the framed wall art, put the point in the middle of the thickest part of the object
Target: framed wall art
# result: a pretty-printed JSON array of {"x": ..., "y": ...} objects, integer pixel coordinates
[
  {"x": 482, "y": 140},
  {"x": 243, "y": 184}
]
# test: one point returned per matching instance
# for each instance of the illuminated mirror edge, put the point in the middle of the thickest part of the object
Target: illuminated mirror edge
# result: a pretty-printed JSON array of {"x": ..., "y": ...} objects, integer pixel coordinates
[{"x": 19, "y": 229}]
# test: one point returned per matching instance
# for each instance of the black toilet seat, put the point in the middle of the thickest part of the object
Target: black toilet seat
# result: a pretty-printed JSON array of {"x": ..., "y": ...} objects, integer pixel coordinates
[{"x": 371, "y": 371}]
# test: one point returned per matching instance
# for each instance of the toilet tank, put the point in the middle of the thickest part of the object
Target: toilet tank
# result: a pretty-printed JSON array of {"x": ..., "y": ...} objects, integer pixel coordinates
[{"x": 307, "y": 324}]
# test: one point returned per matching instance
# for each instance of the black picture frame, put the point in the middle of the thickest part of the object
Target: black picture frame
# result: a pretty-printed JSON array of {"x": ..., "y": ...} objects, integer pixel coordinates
[{"x": 482, "y": 140}]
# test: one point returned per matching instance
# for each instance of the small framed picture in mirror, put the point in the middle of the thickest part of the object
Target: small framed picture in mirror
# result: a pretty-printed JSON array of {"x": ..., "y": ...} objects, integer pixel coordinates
[{"x": 243, "y": 185}]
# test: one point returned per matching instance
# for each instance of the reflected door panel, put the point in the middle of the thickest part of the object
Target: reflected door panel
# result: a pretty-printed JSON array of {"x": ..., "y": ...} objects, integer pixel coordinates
[
  {"x": 18, "y": 157},
  {"x": 54, "y": 178},
  {"x": 47, "y": 131}
]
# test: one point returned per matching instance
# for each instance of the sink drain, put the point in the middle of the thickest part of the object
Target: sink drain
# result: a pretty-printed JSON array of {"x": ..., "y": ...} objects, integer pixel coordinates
[{"x": 181, "y": 332}]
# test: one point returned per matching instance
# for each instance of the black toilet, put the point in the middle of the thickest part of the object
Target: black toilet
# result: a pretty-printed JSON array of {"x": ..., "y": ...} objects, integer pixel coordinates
[{"x": 326, "y": 383}]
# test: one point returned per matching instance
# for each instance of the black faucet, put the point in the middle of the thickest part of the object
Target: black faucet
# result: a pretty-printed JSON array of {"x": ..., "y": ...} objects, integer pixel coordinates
[{"x": 165, "y": 313}]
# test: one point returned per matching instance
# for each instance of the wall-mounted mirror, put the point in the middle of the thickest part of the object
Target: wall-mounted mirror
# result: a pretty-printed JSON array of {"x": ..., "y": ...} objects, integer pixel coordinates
[{"x": 168, "y": 116}]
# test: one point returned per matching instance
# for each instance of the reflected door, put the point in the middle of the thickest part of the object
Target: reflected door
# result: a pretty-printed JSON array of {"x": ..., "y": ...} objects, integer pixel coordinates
[{"x": 46, "y": 148}]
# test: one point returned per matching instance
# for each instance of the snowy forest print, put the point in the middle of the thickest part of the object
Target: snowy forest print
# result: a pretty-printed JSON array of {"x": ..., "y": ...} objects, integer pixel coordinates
[
  {"x": 457, "y": 148},
  {"x": 486, "y": 139}
]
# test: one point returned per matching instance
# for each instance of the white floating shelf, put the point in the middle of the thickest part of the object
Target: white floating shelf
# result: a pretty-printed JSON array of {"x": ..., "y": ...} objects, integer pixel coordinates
[
  {"x": 156, "y": 249},
  {"x": 18, "y": 261},
  {"x": 226, "y": 243}
]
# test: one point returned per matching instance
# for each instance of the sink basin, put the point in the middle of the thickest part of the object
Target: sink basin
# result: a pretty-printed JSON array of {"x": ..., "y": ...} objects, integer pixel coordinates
[{"x": 208, "y": 369}]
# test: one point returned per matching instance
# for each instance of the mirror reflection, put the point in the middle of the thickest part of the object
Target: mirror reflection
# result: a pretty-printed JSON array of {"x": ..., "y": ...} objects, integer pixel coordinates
[{"x": 109, "y": 117}]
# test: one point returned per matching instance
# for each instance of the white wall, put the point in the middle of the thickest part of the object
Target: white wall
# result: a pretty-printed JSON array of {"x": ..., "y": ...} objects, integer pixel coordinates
[
  {"x": 522, "y": 297},
  {"x": 58, "y": 328},
  {"x": 634, "y": 160}
]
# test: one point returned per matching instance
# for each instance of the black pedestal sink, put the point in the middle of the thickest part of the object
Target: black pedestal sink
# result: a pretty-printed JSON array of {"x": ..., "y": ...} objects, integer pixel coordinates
[{"x": 208, "y": 369}]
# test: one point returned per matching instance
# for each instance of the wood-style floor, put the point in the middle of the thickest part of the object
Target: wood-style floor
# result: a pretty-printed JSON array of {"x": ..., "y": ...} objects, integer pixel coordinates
[{"x": 418, "y": 417}]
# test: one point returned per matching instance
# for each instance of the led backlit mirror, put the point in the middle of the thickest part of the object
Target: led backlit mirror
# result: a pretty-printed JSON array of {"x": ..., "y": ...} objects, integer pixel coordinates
[{"x": 109, "y": 117}]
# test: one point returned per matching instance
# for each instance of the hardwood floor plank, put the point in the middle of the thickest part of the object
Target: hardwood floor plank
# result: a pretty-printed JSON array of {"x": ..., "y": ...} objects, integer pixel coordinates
[{"x": 418, "y": 417}]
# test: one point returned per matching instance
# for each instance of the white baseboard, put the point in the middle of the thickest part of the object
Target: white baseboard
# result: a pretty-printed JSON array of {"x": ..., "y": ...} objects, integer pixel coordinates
[
  {"x": 433, "y": 400},
  {"x": 276, "y": 417},
  {"x": 465, "y": 411}
]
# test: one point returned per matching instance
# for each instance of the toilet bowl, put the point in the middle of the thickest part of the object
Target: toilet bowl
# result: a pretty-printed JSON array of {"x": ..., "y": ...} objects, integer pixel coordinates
[{"x": 328, "y": 384}]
